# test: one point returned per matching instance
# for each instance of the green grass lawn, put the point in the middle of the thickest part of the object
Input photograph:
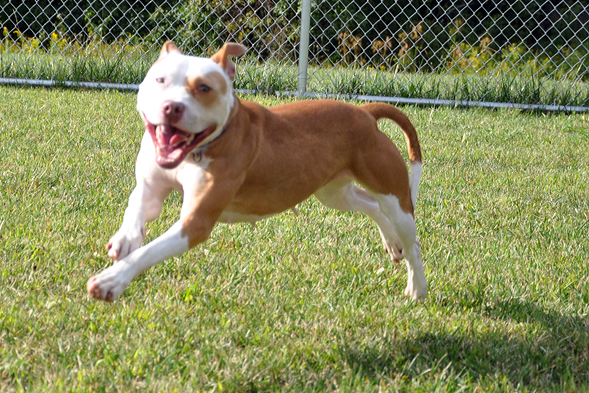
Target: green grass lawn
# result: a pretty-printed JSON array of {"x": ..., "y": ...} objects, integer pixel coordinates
[{"x": 297, "y": 303}]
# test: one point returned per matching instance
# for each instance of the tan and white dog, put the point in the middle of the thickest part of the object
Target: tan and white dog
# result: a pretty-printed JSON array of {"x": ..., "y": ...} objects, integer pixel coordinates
[{"x": 236, "y": 161}]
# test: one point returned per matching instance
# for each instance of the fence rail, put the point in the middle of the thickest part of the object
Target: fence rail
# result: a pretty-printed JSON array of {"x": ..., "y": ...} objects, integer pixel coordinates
[{"x": 531, "y": 54}]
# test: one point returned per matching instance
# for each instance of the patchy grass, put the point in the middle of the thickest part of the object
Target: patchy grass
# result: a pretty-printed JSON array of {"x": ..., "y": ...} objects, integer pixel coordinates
[{"x": 307, "y": 303}]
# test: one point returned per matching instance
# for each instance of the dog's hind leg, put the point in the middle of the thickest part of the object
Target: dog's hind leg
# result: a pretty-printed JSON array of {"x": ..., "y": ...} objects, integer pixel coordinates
[
  {"x": 380, "y": 169},
  {"x": 342, "y": 194},
  {"x": 404, "y": 225}
]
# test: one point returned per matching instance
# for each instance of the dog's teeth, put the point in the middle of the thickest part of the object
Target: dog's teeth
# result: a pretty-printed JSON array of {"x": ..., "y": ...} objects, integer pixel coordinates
[{"x": 160, "y": 137}]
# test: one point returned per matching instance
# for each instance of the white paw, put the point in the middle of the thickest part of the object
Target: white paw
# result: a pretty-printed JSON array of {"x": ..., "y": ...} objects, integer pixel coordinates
[
  {"x": 109, "y": 284},
  {"x": 392, "y": 247},
  {"x": 124, "y": 242},
  {"x": 416, "y": 290},
  {"x": 395, "y": 252}
]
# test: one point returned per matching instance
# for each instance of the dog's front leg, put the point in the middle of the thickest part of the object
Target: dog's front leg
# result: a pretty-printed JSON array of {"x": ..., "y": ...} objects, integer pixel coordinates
[
  {"x": 145, "y": 204},
  {"x": 201, "y": 208},
  {"x": 110, "y": 283}
]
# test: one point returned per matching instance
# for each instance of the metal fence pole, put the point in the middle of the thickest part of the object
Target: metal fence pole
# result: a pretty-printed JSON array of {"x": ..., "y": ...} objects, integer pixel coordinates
[{"x": 304, "y": 46}]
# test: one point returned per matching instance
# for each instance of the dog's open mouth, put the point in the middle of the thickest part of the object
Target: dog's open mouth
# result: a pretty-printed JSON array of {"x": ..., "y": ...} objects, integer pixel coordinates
[{"x": 173, "y": 144}]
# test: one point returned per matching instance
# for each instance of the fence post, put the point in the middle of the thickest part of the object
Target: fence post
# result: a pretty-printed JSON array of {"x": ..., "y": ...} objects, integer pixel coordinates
[{"x": 304, "y": 46}]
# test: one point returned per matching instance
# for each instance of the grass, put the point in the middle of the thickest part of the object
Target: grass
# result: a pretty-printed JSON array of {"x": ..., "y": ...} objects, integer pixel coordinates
[
  {"x": 116, "y": 68},
  {"x": 128, "y": 66},
  {"x": 297, "y": 303}
]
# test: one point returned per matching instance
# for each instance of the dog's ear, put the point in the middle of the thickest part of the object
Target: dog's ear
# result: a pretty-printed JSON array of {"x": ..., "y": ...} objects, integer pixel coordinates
[
  {"x": 168, "y": 48},
  {"x": 222, "y": 57}
]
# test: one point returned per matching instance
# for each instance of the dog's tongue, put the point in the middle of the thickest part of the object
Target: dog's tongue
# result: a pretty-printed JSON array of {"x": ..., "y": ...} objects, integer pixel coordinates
[
  {"x": 169, "y": 142},
  {"x": 167, "y": 136},
  {"x": 172, "y": 144}
]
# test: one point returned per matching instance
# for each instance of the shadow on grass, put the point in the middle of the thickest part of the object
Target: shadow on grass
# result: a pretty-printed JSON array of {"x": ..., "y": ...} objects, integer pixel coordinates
[{"x": 543, "y": 349}]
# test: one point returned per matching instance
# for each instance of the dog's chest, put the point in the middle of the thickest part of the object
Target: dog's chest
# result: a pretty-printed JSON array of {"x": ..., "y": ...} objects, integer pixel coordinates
[
  {"x": 187, "y": 175},
  {"x": 191, "y": 172}
]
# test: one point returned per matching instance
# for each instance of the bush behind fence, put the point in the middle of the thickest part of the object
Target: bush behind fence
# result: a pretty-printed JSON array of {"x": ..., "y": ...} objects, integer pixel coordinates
[{"x": 485, "y": 43}]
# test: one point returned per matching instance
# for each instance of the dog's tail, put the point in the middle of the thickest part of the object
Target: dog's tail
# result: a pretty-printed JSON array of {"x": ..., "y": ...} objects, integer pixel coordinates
[{"x": 380, "y": 110}]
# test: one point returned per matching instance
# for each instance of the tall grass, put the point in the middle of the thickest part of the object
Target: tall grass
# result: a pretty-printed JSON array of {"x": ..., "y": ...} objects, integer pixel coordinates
[{"x": 514, "y": 79}]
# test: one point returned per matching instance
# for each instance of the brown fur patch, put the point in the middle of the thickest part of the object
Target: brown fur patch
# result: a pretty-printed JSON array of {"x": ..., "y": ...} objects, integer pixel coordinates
[
  {"x": 291, "y": 151},
  {"x": 380, "y": 110},
  {"x": 213, "y": 80},
  {"x": 169, "y": 47},
  {"x": 222, "y": 57}
]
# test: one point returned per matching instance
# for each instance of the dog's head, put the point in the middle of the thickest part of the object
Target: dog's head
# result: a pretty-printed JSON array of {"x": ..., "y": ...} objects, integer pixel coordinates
[{"x": 185, "y": 101}]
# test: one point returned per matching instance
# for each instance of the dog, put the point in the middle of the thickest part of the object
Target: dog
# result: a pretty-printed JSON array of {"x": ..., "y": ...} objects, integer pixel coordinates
[{"x": 237, "y": 161}]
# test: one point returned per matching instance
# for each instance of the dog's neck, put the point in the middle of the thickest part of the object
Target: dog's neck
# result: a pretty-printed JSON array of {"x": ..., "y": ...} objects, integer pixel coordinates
[{"x": 199, "y": 150}]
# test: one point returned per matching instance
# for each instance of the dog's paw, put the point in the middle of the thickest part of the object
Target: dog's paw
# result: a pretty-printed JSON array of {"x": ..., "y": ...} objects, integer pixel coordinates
[
  {"x": 416, "y": 290},
  {"x": 395, "y": 252},
  {"x": 391, "y": 245},
  {"x": 108, "y": 284},
  {"x": 124, "y": 242}
]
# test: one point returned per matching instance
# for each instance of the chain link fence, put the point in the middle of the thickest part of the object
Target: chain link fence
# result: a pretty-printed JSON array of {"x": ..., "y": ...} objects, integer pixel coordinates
[{"x": 522, "y": 53}]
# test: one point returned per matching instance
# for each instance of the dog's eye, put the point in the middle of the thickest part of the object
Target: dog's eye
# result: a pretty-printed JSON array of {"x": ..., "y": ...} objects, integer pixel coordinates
[
  {"x": 203, "y": 89},
  {"x": 160, "y": 80}
]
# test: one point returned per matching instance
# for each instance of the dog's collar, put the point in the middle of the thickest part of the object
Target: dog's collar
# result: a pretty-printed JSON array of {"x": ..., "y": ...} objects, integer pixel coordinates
[{"x": 198, "y": 152}]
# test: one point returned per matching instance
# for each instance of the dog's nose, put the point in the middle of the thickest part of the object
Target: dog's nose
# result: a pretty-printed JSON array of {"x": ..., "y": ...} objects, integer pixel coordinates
[{"x": 172, "y": 110}]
